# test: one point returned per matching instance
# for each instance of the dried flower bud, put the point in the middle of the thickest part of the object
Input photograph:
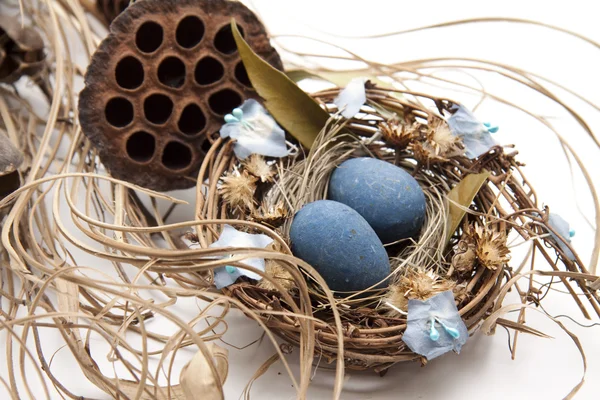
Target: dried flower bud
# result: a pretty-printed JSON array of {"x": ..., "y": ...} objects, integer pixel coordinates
[
  {"x": 441, "y": 140},
  {"x": 238, "y": 189},
  {"x": 483, "y": 245},
  {"x": 417, "y": 284},
  {"x": 398, "y": 135},
  {"x": 492, "y": 251},
  {"x": 273, "y": 216},
  {"x": 258, "y": 167}
]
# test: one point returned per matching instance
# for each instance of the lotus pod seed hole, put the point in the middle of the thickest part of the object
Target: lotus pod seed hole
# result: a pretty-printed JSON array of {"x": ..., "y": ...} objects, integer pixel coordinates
[
  {"x": 208, "y": 70},
  {"x": 129, "y": 73},
  {"x": 171, "y": 72},
  {"x": 158, "y": 108},
  {"x": 192, "y": 120},
  {"x": 190, "y": 32},
  {"x": 119, "y": 112},
  {"x": 242, "y": 75},
  {"x": 149, "y": 37},
  {"x": 224, "y": 41},
  {"x": 223, "y": 101},
  {"x": 141, "y": 146},
  {"x": 176, "y": 156},
  {"x": 206, "y": 145}
]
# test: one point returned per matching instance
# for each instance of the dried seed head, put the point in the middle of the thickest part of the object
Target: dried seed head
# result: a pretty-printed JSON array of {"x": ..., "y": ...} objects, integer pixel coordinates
[
  {"x": 21, "y": 50},
  {"x": 279, "y": 274},
  {"x": 488, "y": 245},
  {"x": 417, "y": 284},
  {"x": 273, "y": 216},
  {"x": 441, "y": 139},
  {"x": 426, "y": 154},
  {"x": 491, "y": 248},
  {"x": 397, "y": 134},
  {"x": 159, "y": 85},
  {"x": 258, "y": 167},
  {"x": 238, "y": 189},
  {"x": 436, "y": 144}
]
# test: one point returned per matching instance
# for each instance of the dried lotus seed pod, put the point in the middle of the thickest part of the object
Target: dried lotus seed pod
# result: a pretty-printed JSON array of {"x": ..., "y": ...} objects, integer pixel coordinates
[
  {"x": 159, "y": 85},
  {"x": 110, "y": 9}
]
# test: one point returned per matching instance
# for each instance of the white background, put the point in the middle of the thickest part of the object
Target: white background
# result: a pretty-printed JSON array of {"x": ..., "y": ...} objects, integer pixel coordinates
[{"x": 544, "y": 368}]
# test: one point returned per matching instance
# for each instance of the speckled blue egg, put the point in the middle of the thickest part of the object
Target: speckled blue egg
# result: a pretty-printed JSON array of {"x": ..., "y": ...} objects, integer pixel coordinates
[
  {"x": 387, "y": 196},
  {"x": 340, "y": 245}
]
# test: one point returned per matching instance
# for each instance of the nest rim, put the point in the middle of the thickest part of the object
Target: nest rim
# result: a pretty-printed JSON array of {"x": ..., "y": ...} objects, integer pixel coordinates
[{"x": 375, "y": 343}]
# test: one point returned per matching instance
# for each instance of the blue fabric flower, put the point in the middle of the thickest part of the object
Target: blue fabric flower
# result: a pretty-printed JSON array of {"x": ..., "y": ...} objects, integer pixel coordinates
[
  {"x": 434, "y": 326},
  {"x": 230, "y": 237},
  {"x": 351, "y": 99},
  {"x": 475, "y": 135},
  {"x": 254, "y": 131},
  {"x": 561, "y": 226}
]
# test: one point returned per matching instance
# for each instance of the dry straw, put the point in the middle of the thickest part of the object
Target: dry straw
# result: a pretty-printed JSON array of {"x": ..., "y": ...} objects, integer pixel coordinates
[{"x": 67, "y": 208}]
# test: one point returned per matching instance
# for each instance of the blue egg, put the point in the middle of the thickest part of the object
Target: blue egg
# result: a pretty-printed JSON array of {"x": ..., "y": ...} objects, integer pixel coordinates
[
  {"x": 340, "y": 245},
  {"x": 387, "y": 196}
]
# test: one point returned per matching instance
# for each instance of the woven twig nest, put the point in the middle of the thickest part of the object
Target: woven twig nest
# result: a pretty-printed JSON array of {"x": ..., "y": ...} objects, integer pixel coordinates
[
  {"x": 21, "y": 50},
  {"x": 474, "y": 265},
  {"x": 159, "y": 85}
]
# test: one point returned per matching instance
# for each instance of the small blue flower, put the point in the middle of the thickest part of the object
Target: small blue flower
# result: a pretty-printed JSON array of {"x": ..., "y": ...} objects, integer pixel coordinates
[
  {"x": 230, "y": 237},
  {"x": 254, "y": 131},
  {"x": 434, "y": 326},
  {"x": 475, "y": 135},
  {"x": 561, "y": 226}
]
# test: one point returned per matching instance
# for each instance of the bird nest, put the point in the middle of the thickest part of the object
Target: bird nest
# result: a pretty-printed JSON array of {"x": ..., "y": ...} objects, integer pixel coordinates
[{"x": 469, "y": 257}]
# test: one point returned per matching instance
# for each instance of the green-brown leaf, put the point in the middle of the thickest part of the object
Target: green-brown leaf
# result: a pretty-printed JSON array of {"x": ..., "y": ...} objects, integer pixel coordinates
[
  {"x": 293, "y": 109},
  {"x": 463, "y": 195}
]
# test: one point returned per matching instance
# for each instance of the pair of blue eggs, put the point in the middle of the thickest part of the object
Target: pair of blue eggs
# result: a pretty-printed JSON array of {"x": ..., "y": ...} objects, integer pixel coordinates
[{"x": 371, "y": 203}]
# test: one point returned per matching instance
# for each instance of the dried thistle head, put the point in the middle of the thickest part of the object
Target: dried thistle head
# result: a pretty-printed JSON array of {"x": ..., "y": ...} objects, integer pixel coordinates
[
  {"x": 425, "y": 154},
  {"x": 274, "y": 216},
  {"x": 398, "y": 135},
  {"x": 417, "y": 284},
  {"x": 483, "y": 245},
  {"x": 279, "y": 274},
  {"x": 441, "y": 140},
  {"x": 238, "y": 189},
  {"x": 258, "y": 167},
  {"x": 491, "y": 248},
  {"x": 437, "y": 144}
]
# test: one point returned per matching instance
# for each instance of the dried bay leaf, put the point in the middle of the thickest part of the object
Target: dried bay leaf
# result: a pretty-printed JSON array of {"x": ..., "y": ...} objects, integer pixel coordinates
[
  {"x": 197, "y": 379},
  {"x": 460, "y": 197},
  {"x": 293, "y": 109}
]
